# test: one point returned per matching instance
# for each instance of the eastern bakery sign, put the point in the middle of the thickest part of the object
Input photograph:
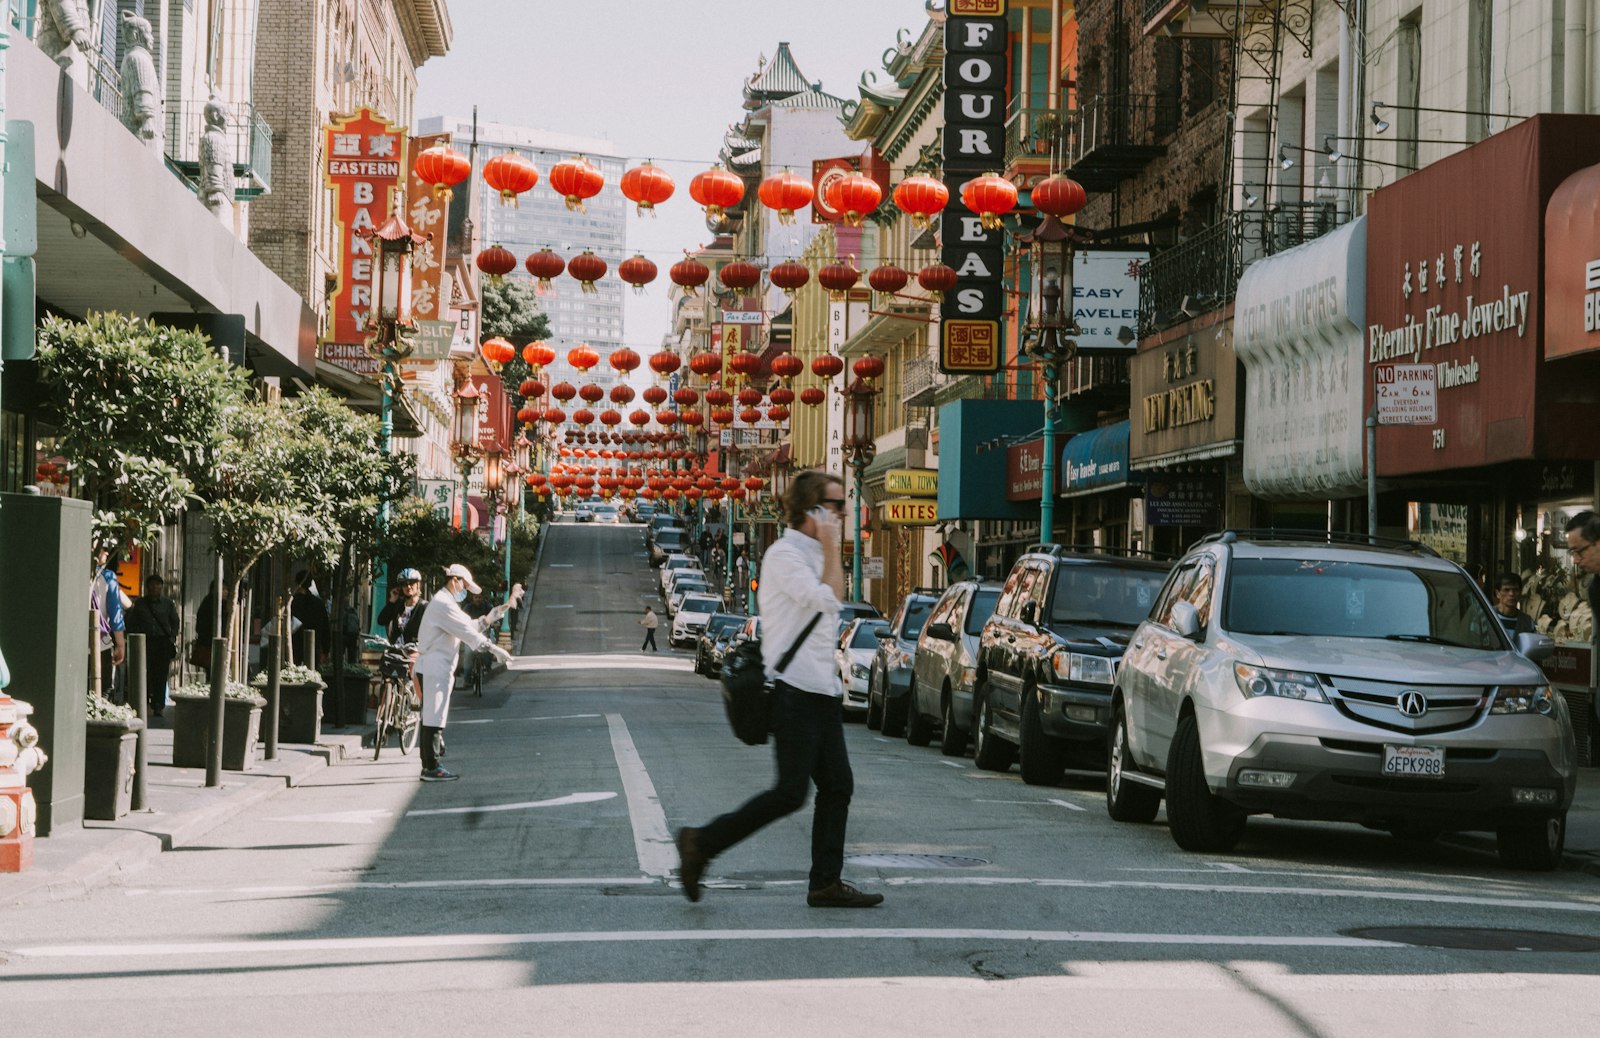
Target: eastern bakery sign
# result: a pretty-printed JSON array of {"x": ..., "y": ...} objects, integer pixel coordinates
[{"x": 364, "y": 158}]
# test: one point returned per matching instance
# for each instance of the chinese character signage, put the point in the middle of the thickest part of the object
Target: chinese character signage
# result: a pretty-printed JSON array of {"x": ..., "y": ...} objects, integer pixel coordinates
[
  {"x": 494, "y": 412},
  {"x": 365, "y": 157},
  {"x": 1186, "y": 501},
  {"x": 1025, "y": 471},
  {"x": 427, "y": 215}
]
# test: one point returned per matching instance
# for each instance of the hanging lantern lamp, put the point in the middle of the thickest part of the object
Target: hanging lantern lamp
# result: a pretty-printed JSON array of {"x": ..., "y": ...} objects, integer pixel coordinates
[
  {"x": 647, "y": 186},
  {"x": 577, "y": 181},
  {"x": 785, "y": 192}
]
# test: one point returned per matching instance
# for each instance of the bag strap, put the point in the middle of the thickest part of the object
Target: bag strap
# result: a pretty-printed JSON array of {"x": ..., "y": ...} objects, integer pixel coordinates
[{"x": 783, "y": 664}]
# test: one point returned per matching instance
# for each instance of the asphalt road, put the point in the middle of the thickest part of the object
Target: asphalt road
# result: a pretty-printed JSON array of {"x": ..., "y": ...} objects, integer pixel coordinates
[{"x": 535, "y": 896}]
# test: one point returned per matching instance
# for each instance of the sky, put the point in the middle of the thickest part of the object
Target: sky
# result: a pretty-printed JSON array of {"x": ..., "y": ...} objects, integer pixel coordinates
[{"x": 660, "y": 79}]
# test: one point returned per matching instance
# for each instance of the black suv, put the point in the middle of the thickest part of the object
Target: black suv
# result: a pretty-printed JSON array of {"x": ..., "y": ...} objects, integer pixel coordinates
[
  {"x": 889, "y": 684},
  {"x": 1048, "y": 656}
]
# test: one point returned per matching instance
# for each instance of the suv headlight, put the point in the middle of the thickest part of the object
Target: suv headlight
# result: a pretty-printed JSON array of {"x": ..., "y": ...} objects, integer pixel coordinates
[
  {"x": 1285, "y": 684},
  {"x": 1085, "y": 670},
  {"x": 858, "y": 671},
  {"x": 1523, "y": 699}
]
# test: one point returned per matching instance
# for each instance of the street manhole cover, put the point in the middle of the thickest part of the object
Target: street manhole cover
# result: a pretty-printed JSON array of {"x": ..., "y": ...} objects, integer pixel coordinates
[
  {"x": 914, "y": 861},
  {"x": 1473, "y": 939}
]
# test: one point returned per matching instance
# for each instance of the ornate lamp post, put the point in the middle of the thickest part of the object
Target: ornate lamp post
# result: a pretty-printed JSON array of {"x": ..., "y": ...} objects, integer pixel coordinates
[
  {"x": 861, "y": 446},
  {"x": 465, "y": 436},
  {"x": 391, "y": 339},
  {"x": 493, "y": 484},
  {"x": 1050, "y": 327}
]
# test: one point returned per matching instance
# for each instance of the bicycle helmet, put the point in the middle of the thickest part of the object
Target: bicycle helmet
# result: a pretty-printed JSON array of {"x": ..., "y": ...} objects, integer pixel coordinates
[{"x": 407, "y": 575}]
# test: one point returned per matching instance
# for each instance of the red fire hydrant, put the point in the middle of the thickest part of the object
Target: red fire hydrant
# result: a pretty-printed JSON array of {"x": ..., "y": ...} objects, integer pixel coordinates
[{"x": 20, "y": 756}]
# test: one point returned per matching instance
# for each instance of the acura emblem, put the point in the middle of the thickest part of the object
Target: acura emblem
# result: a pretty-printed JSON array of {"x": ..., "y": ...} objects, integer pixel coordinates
[{"x": 1413, "y": 703}]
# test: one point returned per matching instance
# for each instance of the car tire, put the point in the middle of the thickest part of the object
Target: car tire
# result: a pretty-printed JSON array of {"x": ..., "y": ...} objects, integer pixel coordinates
[
  {"x": 953, "y": 740},
  {"x": 1041, "y": 758},
  {"x": 919, "y": 730},
  {"x": 1535, "y": 844},
  {"x": 1126, "y": 801},
  {"x": 1198, "y": 819},
  {"x": 988, "y": 752},
  {"x": 894, "y": 715},
  {"x": 874, "y": 707}
]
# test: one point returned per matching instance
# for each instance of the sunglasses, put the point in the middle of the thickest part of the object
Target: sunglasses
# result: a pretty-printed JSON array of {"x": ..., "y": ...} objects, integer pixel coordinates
[{"x": 834, "y": 502}]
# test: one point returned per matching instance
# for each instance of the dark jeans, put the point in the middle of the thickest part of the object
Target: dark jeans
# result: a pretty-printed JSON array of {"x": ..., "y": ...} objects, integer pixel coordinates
[
  {"x": 157, "y": 662},
  {"x": 431, "y": 742},
  {"x": 649, "y": 640},
  {"x": 808, "y": 742}
]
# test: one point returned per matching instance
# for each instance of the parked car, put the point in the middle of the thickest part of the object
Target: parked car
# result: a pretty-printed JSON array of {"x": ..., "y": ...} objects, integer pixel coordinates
[
  {"x": 1325, "y": 677},
  {"x": 670, "y": 576},
  {"x": 889, "y": 682},
  {"x": 858, "y": 643},
  {"x": 658, "y": 522},
  {"x": 686, "y": 587},
  {"x": 669, "y": 540},
  {"x": 690, "y": 617},
  {"x": 641, "y": 512},
  {"x": 716, "y": 625},
  {"x": 583, "y": 514},
  {"x": 719, "y": 648},
  {"x": 673, "y": 563},
  {"x": 854, "y": 610},
  {"x": 945, "y": 667},
  {"x": 1048, "y": 655},
  {"x": 605, "y": 512}
]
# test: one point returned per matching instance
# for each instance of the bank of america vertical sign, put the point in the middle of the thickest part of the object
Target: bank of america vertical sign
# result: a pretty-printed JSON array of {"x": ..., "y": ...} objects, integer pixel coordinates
[{"x": 975, "y": 52}]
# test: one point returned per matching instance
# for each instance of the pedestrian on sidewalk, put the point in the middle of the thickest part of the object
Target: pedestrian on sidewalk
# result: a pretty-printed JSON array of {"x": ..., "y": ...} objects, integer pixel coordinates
[
  {"x": 649, "y": 622},
  {"x": 401, "y": 617},
  {"x": 110, "y": 604},
  {"x": 799, "y": 605},
  {"x": 444, "y": 629},
  {"x": 1508, "y": 605},
  {"x": 155, "y": 616}
]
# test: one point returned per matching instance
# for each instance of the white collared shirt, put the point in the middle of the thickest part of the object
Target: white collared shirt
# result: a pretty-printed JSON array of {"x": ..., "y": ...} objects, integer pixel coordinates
[
  {"x": 444, "y": 628},
  {"x": 791, "y": 593}
]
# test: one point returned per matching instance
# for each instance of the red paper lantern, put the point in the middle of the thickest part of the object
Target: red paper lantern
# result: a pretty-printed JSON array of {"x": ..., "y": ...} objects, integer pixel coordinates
[
  {"x": 608, "y": 417},
  {"x": 719, "y": 397},
  {"x": 689, "y": 274},
  {"x": 826, "y": 366},
  {"x": 789, "y": 276},
  {"x": 854, "y": 195},
  {"x": 654, "y": 395},
  {"x": 740, "y": 275},
  {"x": 576, "y": 180},
  {"x": 639, "y": 418},
  {"x": 583, "y": 416},
  {"x": 529, "y": 387},
  {"x": 787, "y": 365},
  {"x": 781, "y": 395},
  {"x": 729, "y": 483},
  {"x": 554, "y": 415},
  {"x": 623, "y": 360},
  {"x": 665, "y": 362},
  {"x": 591, "y": 393},
  {"x": 443, "y": 167},
  {"x": 544, "y": 265},
  {"x": 705, "y": 363},
  {"x": 496, "y": 261},
  {"x": 563, "y": 391},
  {"x": 750, "y": 416},
  {"x": 778, "y": 413},
  {"x": 887, "y": 278},
  {"x": 717, "y": 189},
  {"x": 686, "y": 397},
  {"x": 722, "y": 415},
  {"x": 754, "y": 484},
  {"x": 750, "y": 396},
  {"x": 511, "y": 175},
  {"x": 991, "y": 196},
  {"x": 497, "y": 351},
  {"x": 868, "y": 367},
  {"x": 667, "y": 417},
  {"x": 587, "y": 268},
  {"x": 920, "y": 197},
  {"x": 692, "y": 418},
  {"x": 637, "y": 271},
  {"x": 583, "y": 356},
  {"x": 744, "y": 363},
  {"x": 811, "y": 396},
  {"x": 538, "y": 354},
  {"x": 527, "y": 415},
  {"x": 647, "y": 186},
  {"x": 937, "y": 279},
  {"x": 785, "y": 192},
  {"x": 838, "y": 279},
  {"x": 1059, "y": 196}
]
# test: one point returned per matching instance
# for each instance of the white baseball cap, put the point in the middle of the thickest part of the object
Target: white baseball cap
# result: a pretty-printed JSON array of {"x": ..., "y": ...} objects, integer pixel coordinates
[{"x": 458, "y": 570}]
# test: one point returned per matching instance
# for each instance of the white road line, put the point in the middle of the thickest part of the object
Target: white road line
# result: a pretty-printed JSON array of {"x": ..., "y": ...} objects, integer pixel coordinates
[
  {"x": 559, "y": 605},
  {"x": 423, "y": 942},
  {"x": 419, "y": 884},
  {"x": 651, "y": 839},
  {"x": 570, "y": 798},
  {"x": 1069, "y": 805},
  {"x": 952, "y": 764},
  {"x": 596, "y": 661},
  {"x": 554, "y": 717},
  {"x": 560, "y": 565}
]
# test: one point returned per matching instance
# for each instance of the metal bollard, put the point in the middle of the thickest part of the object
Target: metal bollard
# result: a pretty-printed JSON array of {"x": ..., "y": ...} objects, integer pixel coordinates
[
  {"x": 219, "y": 679},
  {"x": 274, "y": 691},
  {"x": 138, "y": 688}
]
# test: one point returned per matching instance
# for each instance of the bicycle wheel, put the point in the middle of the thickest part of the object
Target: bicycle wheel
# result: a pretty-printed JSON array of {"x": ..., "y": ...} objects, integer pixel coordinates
[
  {"x": 408, "y": 722},
  {"x": 385, "y": 712},
  {"x": 477, "y": 677}
]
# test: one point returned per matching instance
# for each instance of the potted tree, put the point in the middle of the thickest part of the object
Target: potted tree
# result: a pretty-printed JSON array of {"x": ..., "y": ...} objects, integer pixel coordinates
[
  {"x": 241, "y": 726},
  {"x": 299, "y": 702},
  {"x": 112, "y": 733}
]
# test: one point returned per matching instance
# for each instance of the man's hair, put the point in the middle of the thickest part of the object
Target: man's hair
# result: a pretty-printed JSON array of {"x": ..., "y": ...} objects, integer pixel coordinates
[
  {"x": 1586, "y": 523},
  {"x": 1508, "y": 579},
  {"x": 154, "y": 578},
  {"x": 806, "y": 491}
]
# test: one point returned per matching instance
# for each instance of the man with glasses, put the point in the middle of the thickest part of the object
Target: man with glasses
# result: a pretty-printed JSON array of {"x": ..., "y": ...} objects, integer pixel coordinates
[
  {"x": 1507, "y": 609},
  {"x": 401, "y": 618},
  {"x": 802, "y": 583}
]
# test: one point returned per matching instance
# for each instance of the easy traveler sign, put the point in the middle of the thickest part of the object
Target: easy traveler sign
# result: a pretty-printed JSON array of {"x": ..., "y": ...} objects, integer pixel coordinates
[{"x": 365, "y": 163}]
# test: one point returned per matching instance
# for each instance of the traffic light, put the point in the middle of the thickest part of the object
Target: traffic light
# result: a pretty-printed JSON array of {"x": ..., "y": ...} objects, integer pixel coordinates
[{"x": 755, "y": 585}]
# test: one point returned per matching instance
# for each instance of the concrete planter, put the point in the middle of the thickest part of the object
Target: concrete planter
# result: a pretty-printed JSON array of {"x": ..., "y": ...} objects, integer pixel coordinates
[
  {"x": 241, "y": 727},
  {"x": 108, "y": 768},
  {"x": 300, "y": 713},
  {"x": 347, "y": 699}
]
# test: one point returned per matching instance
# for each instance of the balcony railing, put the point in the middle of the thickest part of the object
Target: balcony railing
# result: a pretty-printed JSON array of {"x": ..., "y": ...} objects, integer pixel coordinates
[
  {"x": 251, "y": 140},
  {"x": 1201, "y": 274},
  {"x": 920, "y": 381},
  {"x": 1041, "y": 133},
  {"x": 1117, "y": 135}
]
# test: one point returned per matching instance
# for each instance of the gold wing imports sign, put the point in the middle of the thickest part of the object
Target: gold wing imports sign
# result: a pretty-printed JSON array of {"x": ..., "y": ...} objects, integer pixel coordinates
[
  {"x": 975, "y": 53},
  {"x": 364, "y": 163}
]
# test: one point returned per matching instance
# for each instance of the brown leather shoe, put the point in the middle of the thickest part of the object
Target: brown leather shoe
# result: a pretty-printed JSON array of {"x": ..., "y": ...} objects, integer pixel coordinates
[
  {"x": 691, "y": 863},
  {"x": 842, "y": 895}
]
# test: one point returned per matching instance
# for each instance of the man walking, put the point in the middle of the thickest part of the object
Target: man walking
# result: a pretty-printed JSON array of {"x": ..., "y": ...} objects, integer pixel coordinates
[
  {"x": 107, "y": 600},
  {"x": 650, "y": 622},
  {"x": 156, "y": 617},
  {"x": 444, "y": 629},
  {"x": 799, "y": 598},
  {"x": 1583, "y": 541}
]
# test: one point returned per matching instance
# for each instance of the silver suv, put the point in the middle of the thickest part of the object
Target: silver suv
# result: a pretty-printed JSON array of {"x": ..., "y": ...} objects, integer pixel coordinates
[{"x": 1324, "y": 677}]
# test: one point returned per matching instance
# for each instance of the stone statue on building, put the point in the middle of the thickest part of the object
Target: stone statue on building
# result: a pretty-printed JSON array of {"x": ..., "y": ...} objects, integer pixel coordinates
[
  {"x": 63, "y": 33},
  {"x": 140, "y": 83},
  {"x": 216, "y": 158}
]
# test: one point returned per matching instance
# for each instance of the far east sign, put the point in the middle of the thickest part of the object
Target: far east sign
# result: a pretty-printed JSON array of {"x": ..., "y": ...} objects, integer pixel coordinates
[
  {"x": 975, "y": 55},
  {"x": 1406, "y": 394},
  {"x": 364, "y": 159}
]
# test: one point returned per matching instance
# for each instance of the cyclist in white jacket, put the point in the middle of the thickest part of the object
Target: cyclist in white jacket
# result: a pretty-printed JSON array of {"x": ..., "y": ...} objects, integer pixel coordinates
[{"x": 445, "y": 628}]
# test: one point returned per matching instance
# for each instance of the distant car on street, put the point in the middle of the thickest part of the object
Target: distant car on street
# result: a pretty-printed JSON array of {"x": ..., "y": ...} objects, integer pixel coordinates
[
  {"x": 583, "y": 514},
  {"x": 889, "y": 684},
  {"x": 689, "y": 619},
  {"x": 946, "y": 665},
  {"x": 853, "y": 657},
  {"x": 717, "y": 624}
]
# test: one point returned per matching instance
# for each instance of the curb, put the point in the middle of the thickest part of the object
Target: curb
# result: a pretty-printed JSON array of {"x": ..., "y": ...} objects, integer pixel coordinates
[
  {"x": 529, "y": 589},
  {"x": 1571, "y": 861}
]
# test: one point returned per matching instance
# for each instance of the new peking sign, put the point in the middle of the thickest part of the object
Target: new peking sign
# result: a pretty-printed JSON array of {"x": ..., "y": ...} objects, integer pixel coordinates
[{"x": 975, "y": 55}]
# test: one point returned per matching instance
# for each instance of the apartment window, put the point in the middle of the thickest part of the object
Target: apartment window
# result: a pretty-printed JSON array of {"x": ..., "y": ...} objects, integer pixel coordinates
[
  {"x": 1169, "y": 84},
  {"x": 1201, "y": 88}
]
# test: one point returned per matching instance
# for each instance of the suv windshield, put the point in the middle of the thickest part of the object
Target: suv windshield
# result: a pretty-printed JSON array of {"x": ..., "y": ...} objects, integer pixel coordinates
[
  {"x": 866, "y": 636},
  {"x": 917, "y": 610},
  {"x": 1104, "y": 594},
  {"x": 699, "y": 605},
  {"x": 1358, "y": 600},
  {"x": 982, "y": 608}
]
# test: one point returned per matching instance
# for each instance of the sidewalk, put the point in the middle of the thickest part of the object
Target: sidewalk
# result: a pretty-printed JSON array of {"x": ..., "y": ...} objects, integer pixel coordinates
[{"x": 77, "y": 859}]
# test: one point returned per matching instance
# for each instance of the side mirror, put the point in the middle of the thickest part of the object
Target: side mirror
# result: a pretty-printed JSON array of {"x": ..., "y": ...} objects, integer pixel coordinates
[
  {"x": 1537, "y": 647},
  {"x": 942, "y": 631},
  {"x": 1030, "y": 613},
  {"x": 883, "y": 634},
  {"x": 1185, "y": 620}
]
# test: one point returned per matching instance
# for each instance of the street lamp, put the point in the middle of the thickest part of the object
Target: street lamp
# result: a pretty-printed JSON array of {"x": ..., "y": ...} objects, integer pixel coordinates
[
  {"x": 861, "y": 445},
  {"x": 466, "y": 439},
  {"x": 492, "y": 484},
  {"x": 1051, "y": 325}
]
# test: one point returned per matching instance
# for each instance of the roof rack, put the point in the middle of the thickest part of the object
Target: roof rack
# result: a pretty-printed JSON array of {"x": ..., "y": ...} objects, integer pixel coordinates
[
  {"x": 1097, "y": 549},
  {"x": 1340, "y": 537}
]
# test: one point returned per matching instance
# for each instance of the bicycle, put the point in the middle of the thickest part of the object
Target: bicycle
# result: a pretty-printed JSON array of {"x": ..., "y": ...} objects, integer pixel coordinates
[
  {"x": 397, "y": 711},
  {"x": 478, "y": 669}
]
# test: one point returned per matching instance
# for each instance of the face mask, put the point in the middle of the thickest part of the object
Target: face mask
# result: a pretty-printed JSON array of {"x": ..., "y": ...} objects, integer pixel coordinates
[{"x": 461, "y": 596}]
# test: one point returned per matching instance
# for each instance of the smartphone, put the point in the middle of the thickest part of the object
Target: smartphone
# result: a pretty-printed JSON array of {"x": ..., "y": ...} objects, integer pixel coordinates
[{"x": 820, "y": 514}]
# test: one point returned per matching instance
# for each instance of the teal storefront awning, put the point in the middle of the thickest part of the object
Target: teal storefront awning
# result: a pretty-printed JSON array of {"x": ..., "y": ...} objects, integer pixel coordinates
[{"x": 1095, "y": 460}]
